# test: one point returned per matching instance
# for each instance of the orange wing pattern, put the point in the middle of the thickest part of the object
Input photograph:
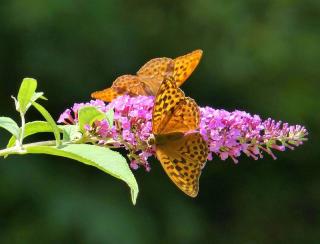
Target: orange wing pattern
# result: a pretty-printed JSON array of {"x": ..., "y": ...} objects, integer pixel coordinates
[
  {"x": 149, "y": 76},
  {"x": 173, "y": 112},
  {"x": 185, "y": 65},
  {"x": 183, "y": 160},
  {"x": 123, "y": 85},
  {"x": 161, "y": 67},
  {"x": 181, "y": 155},
  {"x": 155, "y": 68}
]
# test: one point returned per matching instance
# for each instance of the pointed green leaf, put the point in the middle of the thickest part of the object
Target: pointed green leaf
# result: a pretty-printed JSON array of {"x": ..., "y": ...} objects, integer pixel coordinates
[
  {"x": 110, "y": 116},
  {"x": 10, "y": 125},
  {"x": 30, "y": 129},
  {"x": 104, "y": 159},
  {"x": 34, "y": 98},
  {"x": 50, "y": 120},
  {"x": 26, "y": 91},
  {"x": 87, "y": 115},
  {"x": 43, "y": 97}
]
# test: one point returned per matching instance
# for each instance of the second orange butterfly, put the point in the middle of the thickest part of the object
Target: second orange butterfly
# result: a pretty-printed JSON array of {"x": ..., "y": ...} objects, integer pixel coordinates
[{"x": 149, "y": 77}]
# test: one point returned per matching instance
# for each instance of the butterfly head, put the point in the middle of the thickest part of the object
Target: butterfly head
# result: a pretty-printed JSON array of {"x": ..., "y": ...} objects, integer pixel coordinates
[
  {"x": 151, "y": 140},
  {"x": 155, "y": 140},
  {"x": 162, "y": 139}
]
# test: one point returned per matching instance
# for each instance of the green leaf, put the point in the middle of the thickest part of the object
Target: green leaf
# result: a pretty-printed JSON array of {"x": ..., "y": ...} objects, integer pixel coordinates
[
  {"x": 30, "y": 129},
  {"x": 10, "y": 125},
  {"x": 43, "y": 98},
  {"x": 110, "y": 116},
  {"x": 35, "y": 97},
  {"x": 102, "y": 158},
  {"x": 70, "y": 132},
  {"x": 87, "y": 115},
  {"x": 26, "y": 91},
  {"x": 50, "y": 120}
]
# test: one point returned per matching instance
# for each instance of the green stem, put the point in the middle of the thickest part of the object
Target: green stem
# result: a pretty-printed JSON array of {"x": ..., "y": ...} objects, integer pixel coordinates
[
  {"x": 23, "y": 123},
  {"x": 19, "y": 150}
]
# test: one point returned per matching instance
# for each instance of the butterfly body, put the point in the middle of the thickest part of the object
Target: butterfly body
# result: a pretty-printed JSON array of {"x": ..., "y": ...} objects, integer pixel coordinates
[
  {"x": 149, "y": 77},
  {"x": 164, "y": 139},
  {"x": 179, "y": 147}
]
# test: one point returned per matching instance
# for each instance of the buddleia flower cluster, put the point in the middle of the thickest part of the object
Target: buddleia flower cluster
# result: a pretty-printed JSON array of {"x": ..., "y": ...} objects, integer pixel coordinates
[
  {"x": 131, "y": 128},
  {"x": 228, "y": 134}
]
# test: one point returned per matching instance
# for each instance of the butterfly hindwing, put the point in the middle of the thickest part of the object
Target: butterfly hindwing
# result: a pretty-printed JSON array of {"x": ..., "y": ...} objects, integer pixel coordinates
[
  {"x": 106, "y": 95},
  {"x": 154, "y": 80},
  {"x": 182, "y": 159},
  {"x": 155, "y": 68},
  {"x": 123, "y": 85},
  {"x": 129, "y": 85}
]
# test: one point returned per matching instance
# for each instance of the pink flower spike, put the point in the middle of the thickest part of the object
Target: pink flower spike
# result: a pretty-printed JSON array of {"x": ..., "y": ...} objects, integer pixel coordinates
[{"x": 228, "y": 134}]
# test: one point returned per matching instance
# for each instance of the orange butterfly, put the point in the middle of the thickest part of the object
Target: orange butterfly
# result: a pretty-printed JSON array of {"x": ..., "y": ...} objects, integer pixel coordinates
[
  {"x": 149, "y": 77},
  {"x": 181, "y": 150}
]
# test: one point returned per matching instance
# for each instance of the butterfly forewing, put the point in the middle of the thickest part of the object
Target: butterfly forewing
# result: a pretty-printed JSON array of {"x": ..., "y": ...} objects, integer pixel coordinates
[
  {"x": 185, "y": 65},
  {"x": 173, "y": 112},
  {"x": 183, "y": 159},
  {"x": 167, "y": 98}
]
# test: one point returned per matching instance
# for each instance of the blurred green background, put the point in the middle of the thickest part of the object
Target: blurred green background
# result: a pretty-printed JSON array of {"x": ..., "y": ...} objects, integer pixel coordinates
[{"x": 259, "y": 56}]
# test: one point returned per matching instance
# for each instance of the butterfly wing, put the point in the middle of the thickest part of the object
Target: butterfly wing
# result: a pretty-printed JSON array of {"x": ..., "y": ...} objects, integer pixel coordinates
[
  {"x": 185, "y": 117},
  {"x": 106, "y": 95},
  {"x": 181, "y": 155},
  {"x": 150, "y": 76},
  {"x": 183, "y": 68},
  {"x": 123, "y": 85},
  {"x": 154, "y": 71},
  {"x": 173, "y": 112},
  {"x": 185, "y": 65},
  {"x": 155, "y": 68},
  {"x": 183, "y": 159}
]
